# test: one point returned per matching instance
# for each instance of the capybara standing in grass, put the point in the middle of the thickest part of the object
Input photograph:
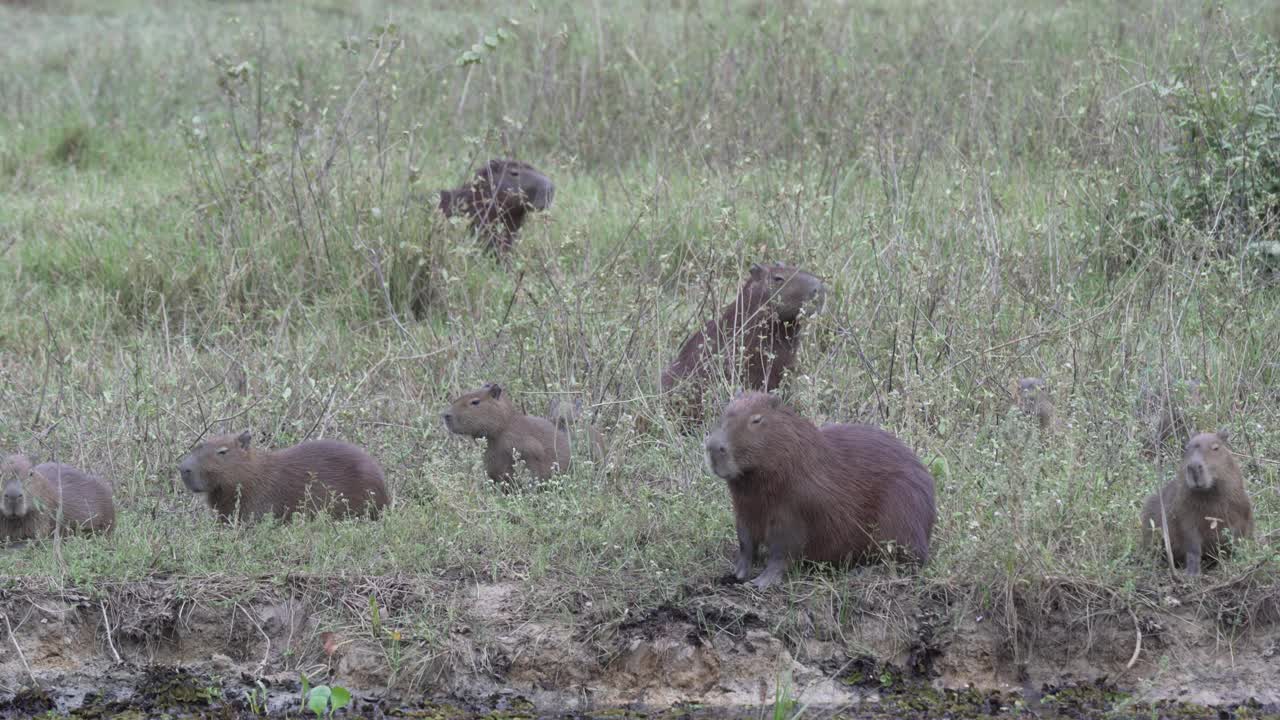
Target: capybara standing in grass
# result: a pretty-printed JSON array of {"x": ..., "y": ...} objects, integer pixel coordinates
[
  {"x": 836, "y": 494},
  {"x": 489, "y": 413},
  {"x": 1200, "y": 505},
  {"x": 567, "y": 416},
  {"x": 757, "y": 334},
  {"x": 241, "y": 481},
  {"x": 497, "y": 200},
  {"x": 39, "y": 500},
  {"x": 1033, "y": 400}
]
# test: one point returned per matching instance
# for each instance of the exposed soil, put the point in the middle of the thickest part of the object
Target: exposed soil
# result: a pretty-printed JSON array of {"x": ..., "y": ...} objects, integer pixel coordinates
[{"x": 232, "y": 648}]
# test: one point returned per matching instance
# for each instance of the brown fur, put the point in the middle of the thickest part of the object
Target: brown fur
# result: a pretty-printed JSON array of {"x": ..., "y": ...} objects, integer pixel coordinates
[
  {"x": 1206, "y": 498},
  {"x": 38, "y": 500},
  {"x": 757, "y": 334},
  {"x": 840, "y": 493},
  {"x": 567, "y": 417},
  {"x": 489, "y": 413},
  {"x": 497, "y": 200},
  {"x": 241, "y": 481},
  {"x": 1160, "y": 415},
  {"x": 1033, "y": 400}
]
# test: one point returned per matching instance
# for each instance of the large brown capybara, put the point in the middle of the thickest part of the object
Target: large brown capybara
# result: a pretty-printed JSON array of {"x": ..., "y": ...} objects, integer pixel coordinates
[
  {"x": 536, "y": 442},
  {"x": 242, "y": 482},
  {"x": 497, "y": 200},
  {"x": 40, "y": 500},
  {"x": 1199, "y": 506},
  {"x": 567, "y": 417},
  {"x": 1033, "y": 400},
  {"x": 843, "y": 493},
  {"x": 755, "y": 338}
]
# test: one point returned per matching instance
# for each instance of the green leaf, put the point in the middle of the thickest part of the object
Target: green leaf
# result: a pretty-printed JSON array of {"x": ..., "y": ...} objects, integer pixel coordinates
[
  {"x": 306, "y": 690},
  {"x": 318, "y": 700},
  {"x": 491, "y": 41},
  {"x": 340, "y": 697}
]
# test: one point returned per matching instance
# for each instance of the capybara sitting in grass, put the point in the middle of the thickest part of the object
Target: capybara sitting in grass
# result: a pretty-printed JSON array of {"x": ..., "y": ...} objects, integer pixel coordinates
[
  {"x": 840, "y": 493},
  {"x": 567, "y": 416},
  {"x": 51, "y": 496},
  {"x": 497, "y": 200},
  {"x": 241, "y": 481},
  {"x": 489, "y": 413},
  {"x": 755, "y": 338},
  {"x": 1033, "y": 400},
  {"x": 1199, "y": 506}
]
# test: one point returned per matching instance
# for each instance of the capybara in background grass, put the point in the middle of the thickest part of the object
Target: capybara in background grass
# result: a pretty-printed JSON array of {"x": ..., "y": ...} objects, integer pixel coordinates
[
  {"x": 567, "y": 416},
  {"x": 1201, "y": 504},
  {"x": 754, "y": 340},
  {"x": 497, "y": 200},
  {"x": 241, "y": 481},
  {"x": 489, "y": 413},
  {"x": 1033, "y": 400},
  {"x": 35, "y": 497},
  {"x": 836, "y": 494},
  {"x": 1160, "y": 413}
]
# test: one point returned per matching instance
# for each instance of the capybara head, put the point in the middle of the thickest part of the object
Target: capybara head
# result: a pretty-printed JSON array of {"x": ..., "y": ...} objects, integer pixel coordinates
[
  {"x": 514, "y": 179},
  {"x": 564, "y": 413},
  {"x": 218, "y": 457},
  {"x": 790, "y": 290},
  {"x": 752, "y": 428},
  {"x": 16, "y": 501},
  {"x": 1029, "y": 392},
  {"x": 480, "y": 413},
  {"x": 1207, "y": 458}
]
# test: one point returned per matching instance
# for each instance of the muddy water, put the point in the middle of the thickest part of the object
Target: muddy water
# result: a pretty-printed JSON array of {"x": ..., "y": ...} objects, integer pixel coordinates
[{"x": 882, "y": 690}]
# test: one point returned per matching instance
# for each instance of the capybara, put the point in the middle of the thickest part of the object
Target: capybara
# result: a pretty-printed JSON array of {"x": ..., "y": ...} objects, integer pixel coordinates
[
  {"x": 567, "y": 416},
  {"x": 39, "y": 500},
  {"x": 1160, "y": 417},
  {"x": 757, "y": 336},
  {"x": 1033, "y": 400},
  {"x": 836, "y": 494},
  {"x": 1206, "y": 498},
  {"x": 489, "y": 413},
  {"x": 497, "y": 200},
  {"x": 242, "y": 482}
]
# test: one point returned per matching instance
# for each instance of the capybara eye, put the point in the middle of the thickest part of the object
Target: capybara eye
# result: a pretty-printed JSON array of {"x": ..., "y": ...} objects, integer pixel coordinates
[
  {"x": 222, "y": 451},
  {"x": 1215, "y": 446},
  {"x": 778, "y": 279},
  {"x": 476, "y": 401},
  {"x": 755, "y": 419}
]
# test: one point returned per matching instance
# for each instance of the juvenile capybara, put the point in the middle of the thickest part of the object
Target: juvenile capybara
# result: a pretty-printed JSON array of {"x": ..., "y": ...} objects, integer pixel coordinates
[
  {"x": 242, "y": 482},
  {"x": 1160, "y": 415},
  {"x": 497, "y": 200},
  {"x": 755, "y": 338},
  {"x": 567, "y": 417},
  {"x": 1033, "y": 400},
  {"x": 842, "y": 493},
  {"x": 39, "y": 500},
  {"x": 1198, "y": 506},
  {"x": 510, "y": 434}
]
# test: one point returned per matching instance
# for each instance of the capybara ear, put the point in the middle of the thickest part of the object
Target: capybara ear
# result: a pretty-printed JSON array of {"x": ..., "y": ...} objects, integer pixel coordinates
[
  {"x": 757, "y": 271},
  {"x": 775, "y": 402},
  {"x": 1224, "y": 435},
  {"x": 495, "y": 391},
  {"x": 245, "y": 439},
  {"x": 446, "y": 202}
]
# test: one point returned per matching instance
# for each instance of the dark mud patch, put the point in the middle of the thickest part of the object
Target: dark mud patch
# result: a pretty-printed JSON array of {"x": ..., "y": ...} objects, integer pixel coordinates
[{"x": 886, "y": 693}]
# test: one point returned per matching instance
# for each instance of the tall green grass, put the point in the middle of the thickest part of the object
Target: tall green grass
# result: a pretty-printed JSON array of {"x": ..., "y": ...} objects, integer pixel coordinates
[{"x": 222, "y": 216}]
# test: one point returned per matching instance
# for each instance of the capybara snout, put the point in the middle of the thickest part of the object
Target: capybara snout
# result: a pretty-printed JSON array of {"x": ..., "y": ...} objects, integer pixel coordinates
[{"x": 719, "y": 458}]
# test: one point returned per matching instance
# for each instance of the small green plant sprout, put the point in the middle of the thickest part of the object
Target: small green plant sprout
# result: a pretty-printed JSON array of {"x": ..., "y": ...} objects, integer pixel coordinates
[{"x": 324, "y": 700}]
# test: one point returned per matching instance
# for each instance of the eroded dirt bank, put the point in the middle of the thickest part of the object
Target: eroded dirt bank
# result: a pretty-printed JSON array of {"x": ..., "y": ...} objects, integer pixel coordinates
[{"x": 228, "y": 647}]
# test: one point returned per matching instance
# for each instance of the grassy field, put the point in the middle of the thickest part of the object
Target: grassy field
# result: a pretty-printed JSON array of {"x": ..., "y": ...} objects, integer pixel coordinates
[{"x": 219, "y": 216}]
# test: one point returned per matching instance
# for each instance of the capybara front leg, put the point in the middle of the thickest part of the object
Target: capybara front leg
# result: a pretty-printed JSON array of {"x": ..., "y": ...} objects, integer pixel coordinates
[
  {"x": 774, "y": 569},
  {"x": 746, "y": 553},
  {"x": 1193, "y": 556}
]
